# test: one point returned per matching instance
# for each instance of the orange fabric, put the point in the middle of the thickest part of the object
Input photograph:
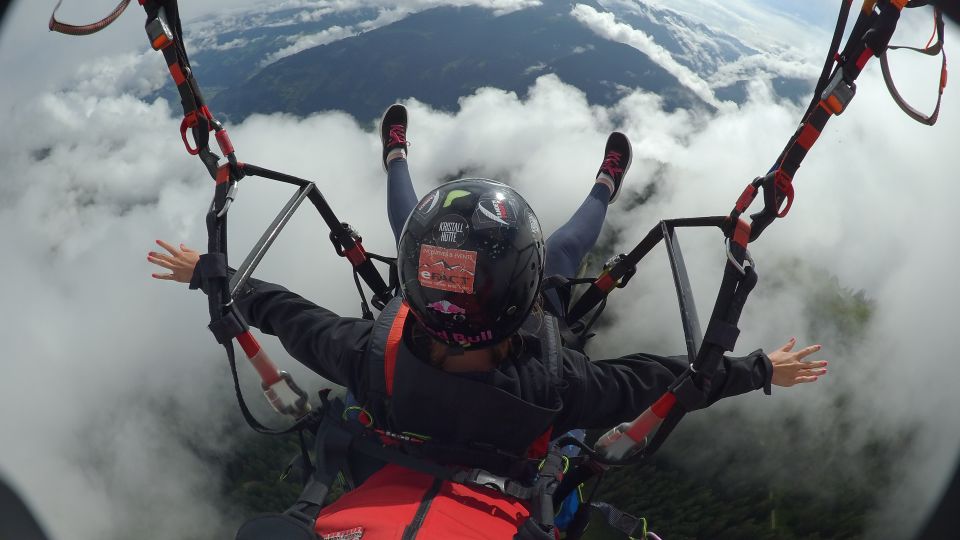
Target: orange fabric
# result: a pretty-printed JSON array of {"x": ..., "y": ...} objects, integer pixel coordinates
[
  {"x": 832, "y": 104},
  {"x": 385, "y": 504},
  {"x": 393, "y": 344}
]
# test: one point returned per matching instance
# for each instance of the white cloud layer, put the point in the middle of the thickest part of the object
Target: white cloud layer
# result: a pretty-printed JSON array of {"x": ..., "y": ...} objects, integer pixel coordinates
[
  {"x": 606, "y": 25},
  {"x": 105, "y": 370}
]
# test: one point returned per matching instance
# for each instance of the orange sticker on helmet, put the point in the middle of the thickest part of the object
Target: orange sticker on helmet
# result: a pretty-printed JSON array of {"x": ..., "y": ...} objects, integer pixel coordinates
[{"x": 447, "y": 269}]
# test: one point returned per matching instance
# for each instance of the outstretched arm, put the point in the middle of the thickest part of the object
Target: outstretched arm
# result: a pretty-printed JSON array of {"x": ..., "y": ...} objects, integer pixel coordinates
[
  {"x": 606, "y": 392},
  {"x": 330, "y": 345}
]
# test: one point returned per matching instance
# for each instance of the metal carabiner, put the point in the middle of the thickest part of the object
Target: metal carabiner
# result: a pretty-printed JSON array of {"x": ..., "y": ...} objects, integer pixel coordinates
[
  {"x": 733, "y": 260},
  {"x": 231, "y": 195}
]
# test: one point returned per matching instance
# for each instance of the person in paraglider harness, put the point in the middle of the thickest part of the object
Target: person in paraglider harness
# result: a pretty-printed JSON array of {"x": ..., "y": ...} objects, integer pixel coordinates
[{"x": 460, "y": 367}]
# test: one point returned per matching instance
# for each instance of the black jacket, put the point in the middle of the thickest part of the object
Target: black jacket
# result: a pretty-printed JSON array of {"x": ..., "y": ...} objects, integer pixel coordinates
[{"x": 589, "y": 394}]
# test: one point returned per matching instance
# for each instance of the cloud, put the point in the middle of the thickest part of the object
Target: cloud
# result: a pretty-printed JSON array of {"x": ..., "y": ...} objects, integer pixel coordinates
[
  {"x": 308, "y": 41},
  {"x": 605, "y": 25},
  {"x": 109, "y": 380},
  {"x": 762, "y": 66}
]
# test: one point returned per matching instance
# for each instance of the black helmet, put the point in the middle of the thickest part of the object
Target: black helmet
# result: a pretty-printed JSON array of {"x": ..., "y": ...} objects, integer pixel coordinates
[{"x": 470, "y": 262}]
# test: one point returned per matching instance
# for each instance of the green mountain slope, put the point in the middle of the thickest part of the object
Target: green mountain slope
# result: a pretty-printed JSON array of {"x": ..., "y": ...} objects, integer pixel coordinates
[{"x": 442, "y": 54}]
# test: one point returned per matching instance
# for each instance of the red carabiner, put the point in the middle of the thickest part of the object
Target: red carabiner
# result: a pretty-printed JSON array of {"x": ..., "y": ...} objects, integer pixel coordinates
[
  {"x": 190, "y": 121},
  {"x": 784, "y": 184}
]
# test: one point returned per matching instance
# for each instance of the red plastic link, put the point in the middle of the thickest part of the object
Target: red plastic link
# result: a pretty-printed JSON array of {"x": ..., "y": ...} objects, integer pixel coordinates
[
  {"x": 784, "y": 183},
  {"x": 190, "y": 120},
  {"x": 746, "y": 198}
]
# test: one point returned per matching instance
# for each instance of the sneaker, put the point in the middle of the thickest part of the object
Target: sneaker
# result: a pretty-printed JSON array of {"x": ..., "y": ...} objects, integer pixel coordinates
[
  {"x": 616, "y": 162},
  {"x": 393, "y": 130}
]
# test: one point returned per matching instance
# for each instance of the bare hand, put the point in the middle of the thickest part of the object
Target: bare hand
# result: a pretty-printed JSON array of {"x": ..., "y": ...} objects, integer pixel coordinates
[
  {"x": 180, "y": 262},
  {"x": 790, "y": 368}
]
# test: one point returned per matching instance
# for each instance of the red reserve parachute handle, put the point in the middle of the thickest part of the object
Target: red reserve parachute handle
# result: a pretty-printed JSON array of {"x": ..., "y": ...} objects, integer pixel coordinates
[
  {"x": 629, "y": 437},
  {"x": 278, "y": 386}
]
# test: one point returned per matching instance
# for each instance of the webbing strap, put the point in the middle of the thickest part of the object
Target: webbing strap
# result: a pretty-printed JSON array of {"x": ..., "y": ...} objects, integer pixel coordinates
[
  {"x": 394, "y": 338},
  {"x": 626, "y": 523},
  {"x": 550, "y": 340},
  {"x": 377, "y": 350},
  {"x": 332, "y": 450}
]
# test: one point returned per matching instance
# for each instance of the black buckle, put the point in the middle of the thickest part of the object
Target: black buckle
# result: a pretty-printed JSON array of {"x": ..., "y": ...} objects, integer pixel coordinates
[{"x": 627, "y": 274}]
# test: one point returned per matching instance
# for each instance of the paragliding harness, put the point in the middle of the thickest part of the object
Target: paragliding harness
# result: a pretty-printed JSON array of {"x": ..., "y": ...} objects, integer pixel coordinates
[
  {"x": 343, "y": 433},
  {"x": 627, "y": 443}
]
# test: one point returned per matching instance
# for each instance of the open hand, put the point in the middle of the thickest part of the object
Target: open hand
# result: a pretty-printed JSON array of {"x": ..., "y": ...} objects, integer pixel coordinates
[
  {"x": 180, "y": 262},
  {"x": 790, "y": 368}
]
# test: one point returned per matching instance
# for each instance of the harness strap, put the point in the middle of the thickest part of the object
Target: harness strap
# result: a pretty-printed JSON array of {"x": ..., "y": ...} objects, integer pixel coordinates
[
  {"x": 550, "y": 339},
  {"x": 332, "y": 449},
  {"x": 570, "y": 338},
  {"x": 628, "y": 524},
  {"x": 381, "y": 354}
]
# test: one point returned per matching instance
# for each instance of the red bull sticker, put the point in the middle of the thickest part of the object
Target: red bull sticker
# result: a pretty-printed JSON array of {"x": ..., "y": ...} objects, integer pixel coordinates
[
  {"x": 447, "y": 308},
  {"x": 465, "y": 340},
  {"x": 447, "y": 269}
]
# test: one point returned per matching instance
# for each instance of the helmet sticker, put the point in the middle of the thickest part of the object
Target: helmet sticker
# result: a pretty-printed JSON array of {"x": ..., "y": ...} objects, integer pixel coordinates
[
  {"x": 465, "y": 340},
  {"x": 534, "y": 222},
  {"x": 426, "y": 206},
  {"x": 495, "y": 211},
  {"x": 447, "y": 308},
  {"x": 451, "y": 231},
  {"x": 454, "y": 195},
  {"x": 429, "y": 202},
  {"x": 446, "y": 269}
]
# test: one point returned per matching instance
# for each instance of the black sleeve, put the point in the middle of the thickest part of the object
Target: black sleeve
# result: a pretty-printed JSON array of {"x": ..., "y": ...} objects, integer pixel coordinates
[
  {"x": 330, "y": 345},
  {"x": 605, "y": 393}
]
